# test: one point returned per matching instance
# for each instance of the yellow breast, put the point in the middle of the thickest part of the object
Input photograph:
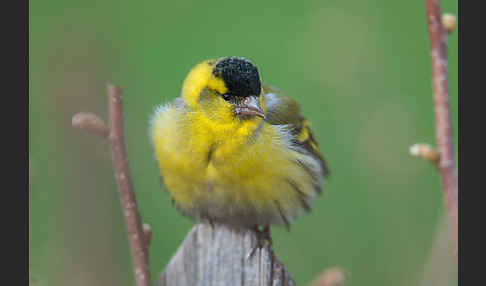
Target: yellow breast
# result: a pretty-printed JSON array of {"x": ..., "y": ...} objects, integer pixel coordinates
[{"x": 234, "y": 173}]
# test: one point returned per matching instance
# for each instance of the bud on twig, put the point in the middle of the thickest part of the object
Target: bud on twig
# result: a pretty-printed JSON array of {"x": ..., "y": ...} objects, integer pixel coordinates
[
  {"x": 147, "y": 231},
  {"x": 425, "y": 151},
  {"x": 449, "y": 22},
  {"x": 90, "y": 122}
]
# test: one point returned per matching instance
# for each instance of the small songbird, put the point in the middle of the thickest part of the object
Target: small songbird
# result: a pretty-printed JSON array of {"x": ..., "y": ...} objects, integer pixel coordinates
[{"x": 234, "y": 151}]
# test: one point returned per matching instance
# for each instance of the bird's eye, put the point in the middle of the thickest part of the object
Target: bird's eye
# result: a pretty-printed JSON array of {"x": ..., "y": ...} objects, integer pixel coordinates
[{"x": 225, "y": 96}]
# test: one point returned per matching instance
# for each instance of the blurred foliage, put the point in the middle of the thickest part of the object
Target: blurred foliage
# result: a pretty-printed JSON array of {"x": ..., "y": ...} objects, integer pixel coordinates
[{"x": 360, "y": 69}]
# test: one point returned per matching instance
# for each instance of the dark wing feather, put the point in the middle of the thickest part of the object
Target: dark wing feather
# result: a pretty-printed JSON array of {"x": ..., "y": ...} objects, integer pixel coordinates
[{"x": 281, "y": 109}]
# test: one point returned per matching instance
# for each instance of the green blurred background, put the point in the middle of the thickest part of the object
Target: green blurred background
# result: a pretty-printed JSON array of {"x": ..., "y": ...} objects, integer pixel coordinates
[{"x": 361, "y": 71}]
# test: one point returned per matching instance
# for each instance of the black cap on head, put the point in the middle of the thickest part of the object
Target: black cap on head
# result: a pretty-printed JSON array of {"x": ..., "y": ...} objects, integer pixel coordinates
[{"x": 240, "y": 75}]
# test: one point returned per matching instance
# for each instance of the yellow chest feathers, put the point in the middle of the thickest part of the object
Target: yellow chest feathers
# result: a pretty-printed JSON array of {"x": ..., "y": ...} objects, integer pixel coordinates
[
  {"x": 192, "y": 143},
  {"x": 229, "y": 168}
]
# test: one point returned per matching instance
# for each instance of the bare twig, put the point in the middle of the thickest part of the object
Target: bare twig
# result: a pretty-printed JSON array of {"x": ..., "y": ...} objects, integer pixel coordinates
[
  {"x": 116, "y": 137},
  {"x": 446, "y": 165},
  {"x": 441, "y": 264},
  {"x": 125, "y": 187}
]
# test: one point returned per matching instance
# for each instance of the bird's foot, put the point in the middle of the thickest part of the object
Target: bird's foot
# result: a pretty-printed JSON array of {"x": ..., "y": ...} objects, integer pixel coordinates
[{"x": 262, "y": 237}]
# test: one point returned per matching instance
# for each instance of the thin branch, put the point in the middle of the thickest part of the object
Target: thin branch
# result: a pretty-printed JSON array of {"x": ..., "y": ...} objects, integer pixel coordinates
[
  {"x": 441, "y": 264},
  {"x": 446, "y": 165},
  {"x": 125, "y": 187},
  {"x": 116, "y": 137}
]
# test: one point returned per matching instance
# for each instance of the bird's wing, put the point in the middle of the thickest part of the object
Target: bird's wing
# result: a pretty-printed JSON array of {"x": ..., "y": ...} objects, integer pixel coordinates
[{"x": 283, "y": 110}]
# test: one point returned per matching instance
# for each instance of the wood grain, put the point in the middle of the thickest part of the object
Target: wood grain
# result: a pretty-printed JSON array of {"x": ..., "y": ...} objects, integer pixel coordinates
[{"x": 219, "y": 256}]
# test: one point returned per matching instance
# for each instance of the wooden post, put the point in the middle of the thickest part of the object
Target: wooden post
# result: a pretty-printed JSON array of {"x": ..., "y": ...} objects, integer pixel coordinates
[{"x": 220, "y": 256}]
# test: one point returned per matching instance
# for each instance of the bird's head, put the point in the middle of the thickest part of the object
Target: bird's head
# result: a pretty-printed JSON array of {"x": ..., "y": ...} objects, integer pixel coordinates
[{"x": 226, "y": 89}]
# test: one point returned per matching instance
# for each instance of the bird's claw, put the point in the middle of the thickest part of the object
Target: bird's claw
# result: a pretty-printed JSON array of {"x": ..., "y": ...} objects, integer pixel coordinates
[{"x": 261, "y": 237}]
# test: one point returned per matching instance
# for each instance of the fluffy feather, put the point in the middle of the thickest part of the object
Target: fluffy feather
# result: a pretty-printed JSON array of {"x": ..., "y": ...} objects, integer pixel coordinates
[{"x": 242, "y": 173}]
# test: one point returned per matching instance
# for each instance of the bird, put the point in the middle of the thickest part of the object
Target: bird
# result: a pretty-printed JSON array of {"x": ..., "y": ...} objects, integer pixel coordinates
[{"x": 232, "y": 150}]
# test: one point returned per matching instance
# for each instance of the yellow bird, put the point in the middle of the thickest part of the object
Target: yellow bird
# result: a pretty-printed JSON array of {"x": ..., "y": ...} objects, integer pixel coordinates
[{"x": 234, "y": 151}]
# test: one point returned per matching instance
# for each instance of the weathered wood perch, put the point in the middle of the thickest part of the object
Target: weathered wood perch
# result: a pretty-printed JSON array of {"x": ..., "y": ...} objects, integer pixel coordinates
[{"x": 219, "y": 256}]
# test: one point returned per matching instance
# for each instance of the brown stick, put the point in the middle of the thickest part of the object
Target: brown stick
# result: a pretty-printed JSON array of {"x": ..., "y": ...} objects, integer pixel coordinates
[
  {"x": 125, "y": 187},
  {"x": 116, "y": 136},
  {"x": 446, "y": 165}
]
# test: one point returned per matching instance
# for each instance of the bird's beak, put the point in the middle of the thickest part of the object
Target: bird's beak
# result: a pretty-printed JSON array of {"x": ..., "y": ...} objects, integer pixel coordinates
[{"x": 250, "y": 107}]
